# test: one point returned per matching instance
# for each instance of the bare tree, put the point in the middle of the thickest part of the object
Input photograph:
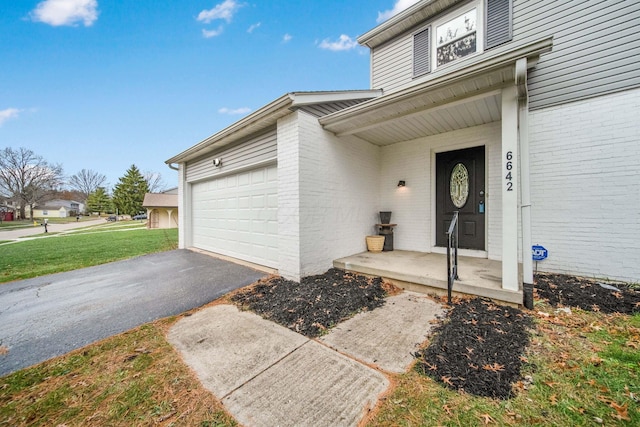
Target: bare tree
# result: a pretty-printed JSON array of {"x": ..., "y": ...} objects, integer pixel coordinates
[
  {"x": 27, "y": 177},
  {"x": 86, "y": 182},
  {"x": 155, "y": 182}
]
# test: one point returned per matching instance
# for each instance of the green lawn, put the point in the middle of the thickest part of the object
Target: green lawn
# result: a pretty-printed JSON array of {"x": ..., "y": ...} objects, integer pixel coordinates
[{"x": 54, "y": 254}]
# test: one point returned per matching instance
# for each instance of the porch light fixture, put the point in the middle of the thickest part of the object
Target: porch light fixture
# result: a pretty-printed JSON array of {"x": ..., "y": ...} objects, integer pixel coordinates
[
  {"x": 217, "y": 162},
  {"x": 401, "y": 184}
]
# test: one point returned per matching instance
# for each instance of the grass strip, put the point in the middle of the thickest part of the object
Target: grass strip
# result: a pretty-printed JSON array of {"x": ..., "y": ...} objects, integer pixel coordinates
[
  {"x": 133, "y": 379},
  {"x": 581, "y": 369},
  {"x": 68, "y": 252}
]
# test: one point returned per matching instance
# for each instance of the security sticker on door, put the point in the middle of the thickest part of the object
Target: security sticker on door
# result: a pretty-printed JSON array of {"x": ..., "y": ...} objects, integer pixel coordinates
[{"x": 539, "y": 253}]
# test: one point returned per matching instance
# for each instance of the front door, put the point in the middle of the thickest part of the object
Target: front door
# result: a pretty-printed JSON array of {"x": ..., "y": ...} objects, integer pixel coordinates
[{"x": 460, "y": 187}]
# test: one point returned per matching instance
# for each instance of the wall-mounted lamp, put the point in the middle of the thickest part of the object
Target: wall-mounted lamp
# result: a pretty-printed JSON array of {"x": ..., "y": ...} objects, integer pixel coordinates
[
  {"x": 401, "y": 184},
  {"x": 217, "y": 162}
]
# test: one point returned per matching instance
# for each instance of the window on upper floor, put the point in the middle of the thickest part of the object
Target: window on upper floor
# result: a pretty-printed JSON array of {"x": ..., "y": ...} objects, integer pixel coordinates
[{"x": 471, "y": 29}]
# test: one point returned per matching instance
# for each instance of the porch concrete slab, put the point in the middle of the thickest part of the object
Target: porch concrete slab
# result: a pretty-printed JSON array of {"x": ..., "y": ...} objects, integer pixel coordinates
[
  {"x": 422, "y": 272},
  {"x": 227, "y": 347},
  {"x": 387, "y": 336},
  {"x": 313, "y": 386}
]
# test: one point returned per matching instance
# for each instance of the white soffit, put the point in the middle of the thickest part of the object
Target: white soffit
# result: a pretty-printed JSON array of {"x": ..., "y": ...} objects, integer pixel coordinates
[{"x": 468, "y": 96}]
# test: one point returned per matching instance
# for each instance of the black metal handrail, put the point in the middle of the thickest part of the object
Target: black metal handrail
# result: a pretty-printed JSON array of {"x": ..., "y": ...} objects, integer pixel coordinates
[{"x": 452, "y": 254}]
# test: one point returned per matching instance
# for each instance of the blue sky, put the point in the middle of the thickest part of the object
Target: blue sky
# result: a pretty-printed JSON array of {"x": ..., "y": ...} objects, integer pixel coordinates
[{"x": 103, "y": 84}]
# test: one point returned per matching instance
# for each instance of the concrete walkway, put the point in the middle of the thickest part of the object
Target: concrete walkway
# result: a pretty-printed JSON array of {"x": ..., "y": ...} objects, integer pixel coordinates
[
  {"x": 268, "y": 375},
  {"x": 52, "y": 228}
]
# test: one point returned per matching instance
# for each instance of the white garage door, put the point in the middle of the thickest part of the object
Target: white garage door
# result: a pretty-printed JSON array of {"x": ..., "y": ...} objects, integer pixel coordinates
[{"x": 237, "y": 216}]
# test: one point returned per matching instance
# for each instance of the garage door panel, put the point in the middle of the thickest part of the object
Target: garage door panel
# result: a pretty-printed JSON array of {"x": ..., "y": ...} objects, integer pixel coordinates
[{"x": 237, "y": 216}]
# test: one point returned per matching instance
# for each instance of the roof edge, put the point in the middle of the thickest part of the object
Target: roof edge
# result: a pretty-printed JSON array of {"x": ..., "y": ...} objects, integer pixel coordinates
[
  {"x": 286, "y": 102},
  {"x": 398, "y": 24}
]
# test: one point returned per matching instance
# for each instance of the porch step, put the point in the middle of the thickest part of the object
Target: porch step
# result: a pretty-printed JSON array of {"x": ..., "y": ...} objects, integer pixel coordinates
[{"x": 426, "y": 273}]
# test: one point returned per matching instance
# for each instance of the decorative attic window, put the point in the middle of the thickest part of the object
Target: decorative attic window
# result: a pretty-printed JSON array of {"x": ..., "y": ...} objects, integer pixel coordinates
[
  {"x": 479, "y": 26},
  {"x": 457, "y": 37}
]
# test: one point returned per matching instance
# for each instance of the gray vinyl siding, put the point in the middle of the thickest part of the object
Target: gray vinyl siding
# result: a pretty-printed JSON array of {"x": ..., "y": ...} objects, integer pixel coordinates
[
  {"x": 254, "y": 150},
  {"x": 319, "y": 110},
  {"x": 392, "y": 64},
  {"x": 596, "y": 48}
]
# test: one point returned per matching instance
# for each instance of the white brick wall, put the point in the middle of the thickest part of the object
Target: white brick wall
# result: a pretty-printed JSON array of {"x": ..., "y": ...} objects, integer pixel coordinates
[
  {"x": 413, "y": 161},
  {"x": 338, "y": 195},
  {"x": 585, "y": 163},
  {"x": 288, "y": 197}
]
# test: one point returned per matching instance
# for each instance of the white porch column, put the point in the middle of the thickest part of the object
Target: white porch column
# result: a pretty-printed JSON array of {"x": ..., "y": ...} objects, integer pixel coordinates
[
  {"x": 509, "y": 184},
  {"x": 169, "y": 215}
]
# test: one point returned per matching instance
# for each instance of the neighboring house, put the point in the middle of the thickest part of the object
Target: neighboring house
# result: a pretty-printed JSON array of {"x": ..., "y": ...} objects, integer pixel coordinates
[
  {"x": 521, "y": 115},
  {"x": 7, "y": 205},
  {"x": 162, "y": 209},
  {"x": 7, "y": 210},
  {"x": 58, "y": 209}
]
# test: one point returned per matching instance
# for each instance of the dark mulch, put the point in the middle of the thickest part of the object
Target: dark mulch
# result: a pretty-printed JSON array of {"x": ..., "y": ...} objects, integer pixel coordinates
[
  {"x": 587, "y": 294},
  {"x": 316, "y": 303},
  {"x": 478, "y": 349}
]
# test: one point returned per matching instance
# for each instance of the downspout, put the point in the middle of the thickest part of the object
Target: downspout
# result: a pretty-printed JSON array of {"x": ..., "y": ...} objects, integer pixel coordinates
[
  {"x": 523, "y": 136},
  {"x": 175, "y": 168}
]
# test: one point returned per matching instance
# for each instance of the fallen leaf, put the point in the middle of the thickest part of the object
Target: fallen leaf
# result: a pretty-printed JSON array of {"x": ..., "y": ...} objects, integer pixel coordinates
[
  {"x": 447, "y": 409},
  {"x": 447, "y": 380},
  {"x": 494, "y": 367},
  {"x": 553, "y": 399},
  {"x": 486, "y": 419},
  {"x": 622, "y": 411},
  {"x": 431, "y": 367},
  {"x": 633, "y": 344}
]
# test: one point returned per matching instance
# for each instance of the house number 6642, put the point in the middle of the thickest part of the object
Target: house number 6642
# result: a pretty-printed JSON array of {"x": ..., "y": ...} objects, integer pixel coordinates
[{"x": 509, "y": 165}]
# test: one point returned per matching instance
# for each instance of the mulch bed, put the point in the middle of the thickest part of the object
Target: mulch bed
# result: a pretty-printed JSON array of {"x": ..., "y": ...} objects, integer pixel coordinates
[
  {"x": 479, "y": 347},
  {"x": 587, "y": 294},
  {"x": 315, "y": 304}
]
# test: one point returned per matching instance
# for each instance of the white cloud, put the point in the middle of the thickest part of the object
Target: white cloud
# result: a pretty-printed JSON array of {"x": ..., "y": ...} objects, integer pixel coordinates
[
  {"x": 224, "y": 10},
  {"x": 207, "y": 34},
  {"x": 287, "y": 37},
  {"x": 398, "y": 7},
  {"x": 66, "y": 12},
  {"x": 236, "y": 111},
  {"x": 253, "y": 27},
  {"x": 9, "y": 113},
  {"x": 343, "y": 43}
]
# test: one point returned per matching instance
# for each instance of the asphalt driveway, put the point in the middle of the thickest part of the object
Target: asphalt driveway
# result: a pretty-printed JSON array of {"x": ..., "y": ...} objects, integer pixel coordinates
[{"x": 49, "y": 316}]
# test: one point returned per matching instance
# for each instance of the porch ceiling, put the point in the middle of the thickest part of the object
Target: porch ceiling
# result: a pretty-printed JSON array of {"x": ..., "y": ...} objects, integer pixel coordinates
[
  {"x": 429, "y": 111},
  {"x": 464, "y": 95}
]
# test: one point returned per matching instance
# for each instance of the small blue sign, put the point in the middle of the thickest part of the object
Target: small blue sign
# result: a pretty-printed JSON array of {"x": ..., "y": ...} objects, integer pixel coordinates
[{"x": 539, "y": 253}]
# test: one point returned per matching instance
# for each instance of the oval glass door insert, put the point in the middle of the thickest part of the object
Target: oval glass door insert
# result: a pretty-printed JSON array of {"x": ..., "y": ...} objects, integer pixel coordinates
[{"x": 459, "y": 185}]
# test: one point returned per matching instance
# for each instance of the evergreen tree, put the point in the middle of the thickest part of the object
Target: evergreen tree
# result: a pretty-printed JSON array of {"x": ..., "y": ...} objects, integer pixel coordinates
[
  {"x": 99, "y": 201},
  {"x": 129, "y": 192}
]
